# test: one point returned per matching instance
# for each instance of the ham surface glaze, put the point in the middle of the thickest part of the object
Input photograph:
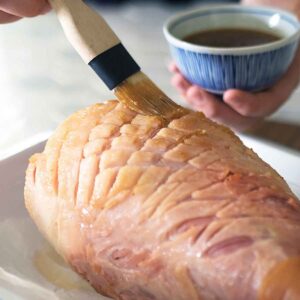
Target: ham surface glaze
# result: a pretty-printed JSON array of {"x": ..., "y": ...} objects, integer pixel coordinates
[{"x": 148, "y": 209}]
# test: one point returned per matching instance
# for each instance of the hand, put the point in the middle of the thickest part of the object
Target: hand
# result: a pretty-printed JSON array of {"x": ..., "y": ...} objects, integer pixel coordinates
[
  {"x": 291, "y": 5},
  {"x": 239, "y": 110},
  {"x": 13, "y": 10}
]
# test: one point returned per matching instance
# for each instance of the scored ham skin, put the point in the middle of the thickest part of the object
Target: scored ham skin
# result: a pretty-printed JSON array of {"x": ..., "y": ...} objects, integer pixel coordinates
[{"x": 146, "y": 209}]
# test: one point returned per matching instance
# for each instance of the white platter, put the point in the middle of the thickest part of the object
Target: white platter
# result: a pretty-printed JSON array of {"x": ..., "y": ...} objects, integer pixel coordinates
[{"x": 19, "y": 278}]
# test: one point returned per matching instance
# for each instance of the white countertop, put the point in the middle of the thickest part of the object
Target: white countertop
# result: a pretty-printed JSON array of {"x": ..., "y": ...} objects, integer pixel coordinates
[{"x": 42, "y": 79}]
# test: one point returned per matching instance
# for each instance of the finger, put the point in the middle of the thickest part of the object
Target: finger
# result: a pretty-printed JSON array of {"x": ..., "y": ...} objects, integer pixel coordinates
[
  {"x": 173, "y": 67},
  {"x": 247, "y": 104},
  {"x": 265, "y": 103},
  {"x": 180, "y": 83},
  {"x": 254, "y": 105},
  {"x": 7, "y": 18},
  {"x": 216, "y": 110},
  {"x": 24, "y": 8}
]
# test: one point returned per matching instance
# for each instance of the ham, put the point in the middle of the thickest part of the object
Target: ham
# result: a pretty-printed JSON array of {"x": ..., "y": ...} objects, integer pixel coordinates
[{"x": 149, "y": 209}]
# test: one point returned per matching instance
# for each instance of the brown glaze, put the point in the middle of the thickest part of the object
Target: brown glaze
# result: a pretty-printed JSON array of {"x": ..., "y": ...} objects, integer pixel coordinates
[
  {"x": 231, "y": 38},
  {"x": 150, "y": 208},
  {"x": 282, "y": 282}
]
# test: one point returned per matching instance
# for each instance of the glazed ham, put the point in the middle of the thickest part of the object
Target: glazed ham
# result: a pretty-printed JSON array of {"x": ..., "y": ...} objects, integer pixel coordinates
[{"x": 148, "y": 209}]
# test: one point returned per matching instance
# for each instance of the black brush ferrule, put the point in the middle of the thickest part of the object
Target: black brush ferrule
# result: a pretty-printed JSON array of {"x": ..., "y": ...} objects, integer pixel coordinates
[{"x": 114, "y": 66}]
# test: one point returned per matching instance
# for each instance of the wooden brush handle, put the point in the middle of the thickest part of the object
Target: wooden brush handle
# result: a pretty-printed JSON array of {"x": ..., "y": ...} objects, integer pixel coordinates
[
  {"x": 87, "y": 31},
  {"x": 95, "y": 41}
]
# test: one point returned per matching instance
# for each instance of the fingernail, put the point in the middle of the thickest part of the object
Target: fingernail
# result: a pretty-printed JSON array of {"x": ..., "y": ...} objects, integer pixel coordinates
[
  {"x": 197, "y": 97},
  {"x": 235, "y": 98},
  {"x": 196, "y": 102},
  {"x": 45, "y": 9},
  {"x": 231, "y": 97}
]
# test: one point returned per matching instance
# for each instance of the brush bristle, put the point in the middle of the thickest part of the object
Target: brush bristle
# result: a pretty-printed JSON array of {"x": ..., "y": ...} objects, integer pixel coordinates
[{"x": 140, "y": 94}]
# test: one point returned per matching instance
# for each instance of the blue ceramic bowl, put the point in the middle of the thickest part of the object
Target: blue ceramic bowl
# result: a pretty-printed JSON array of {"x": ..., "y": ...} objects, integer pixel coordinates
[{"x": 252, "y": 68}]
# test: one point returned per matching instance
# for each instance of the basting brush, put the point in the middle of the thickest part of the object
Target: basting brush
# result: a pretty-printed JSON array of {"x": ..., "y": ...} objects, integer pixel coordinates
[{"x": 102, "y": 50}]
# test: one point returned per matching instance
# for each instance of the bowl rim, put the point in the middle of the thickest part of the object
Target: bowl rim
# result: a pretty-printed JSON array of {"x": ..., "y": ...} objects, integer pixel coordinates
[{"x": 292, "y": 18}]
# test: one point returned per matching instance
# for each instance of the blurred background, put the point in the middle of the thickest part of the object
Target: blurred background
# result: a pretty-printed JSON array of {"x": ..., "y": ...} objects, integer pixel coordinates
[{"x": 43, "y": 80}]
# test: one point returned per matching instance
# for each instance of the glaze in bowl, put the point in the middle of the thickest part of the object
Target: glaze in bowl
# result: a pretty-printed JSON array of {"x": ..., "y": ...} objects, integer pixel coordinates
[{"x": 251, "y": 68}]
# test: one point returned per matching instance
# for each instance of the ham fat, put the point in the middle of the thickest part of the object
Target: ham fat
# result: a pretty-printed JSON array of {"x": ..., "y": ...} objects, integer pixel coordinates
[{"x": 148, "y": 209}]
